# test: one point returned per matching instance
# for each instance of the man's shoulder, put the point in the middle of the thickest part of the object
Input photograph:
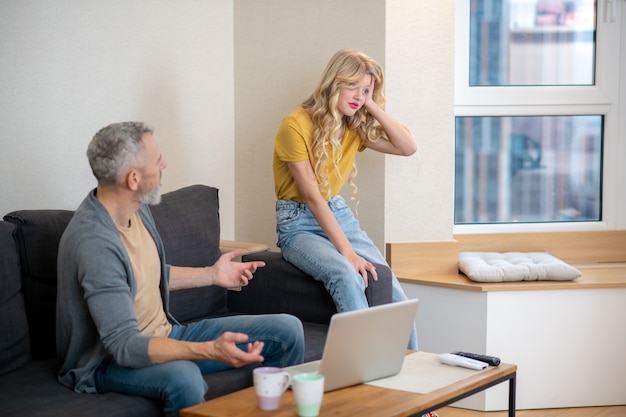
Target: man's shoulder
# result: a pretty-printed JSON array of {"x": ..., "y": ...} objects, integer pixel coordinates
[
  {"x": 88, "y": 220},
  {"x": 88, "y": 211}
]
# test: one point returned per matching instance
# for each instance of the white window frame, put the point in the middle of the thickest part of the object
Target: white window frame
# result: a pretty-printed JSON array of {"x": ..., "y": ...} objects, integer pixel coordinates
[{"x": 603, "y": 98}]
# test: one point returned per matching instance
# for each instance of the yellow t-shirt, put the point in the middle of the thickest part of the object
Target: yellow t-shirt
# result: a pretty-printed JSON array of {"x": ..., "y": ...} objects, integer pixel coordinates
[
  {"x": 293, "y": 144},
  {"x": 144, "y": 257}
]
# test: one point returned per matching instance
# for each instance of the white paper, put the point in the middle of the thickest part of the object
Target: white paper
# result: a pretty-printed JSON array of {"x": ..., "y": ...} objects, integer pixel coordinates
[{"x": 422, "y": 373}]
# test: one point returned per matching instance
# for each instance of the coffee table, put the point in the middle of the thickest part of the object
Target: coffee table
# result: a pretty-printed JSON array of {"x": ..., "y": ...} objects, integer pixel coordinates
[{"x": 364, "y": 399}]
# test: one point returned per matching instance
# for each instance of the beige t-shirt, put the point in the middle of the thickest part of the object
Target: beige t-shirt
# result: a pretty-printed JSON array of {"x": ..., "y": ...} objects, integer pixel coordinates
[{"x": 144, "y": 257}]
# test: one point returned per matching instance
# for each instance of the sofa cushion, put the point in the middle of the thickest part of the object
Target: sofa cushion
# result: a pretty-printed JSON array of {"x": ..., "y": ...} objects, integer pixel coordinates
[
  {"x": 38, "y": 235},
  {"x": 14, "y": 341},
  {"x": 189, "y": 224},
  {"x": 34, "y": 391},
  {"x": 280, "y": 277}
]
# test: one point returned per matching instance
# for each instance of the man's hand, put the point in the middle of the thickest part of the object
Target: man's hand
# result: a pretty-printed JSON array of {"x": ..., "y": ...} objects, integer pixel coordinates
[
  {"x": 227, "y": 273},
  {"x": 225, "y": 350}
]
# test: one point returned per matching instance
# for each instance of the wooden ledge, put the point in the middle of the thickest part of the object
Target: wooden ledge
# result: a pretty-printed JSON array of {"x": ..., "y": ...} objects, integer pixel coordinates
[
  {"x": 600, "y": 257},
  {"x": 608, "y": 275},
  {"x": 246, "y": 247}
]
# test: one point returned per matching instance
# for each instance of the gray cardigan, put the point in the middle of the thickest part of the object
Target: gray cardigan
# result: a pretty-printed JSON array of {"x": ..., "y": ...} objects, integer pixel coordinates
[{"x": 95, "y": 292}]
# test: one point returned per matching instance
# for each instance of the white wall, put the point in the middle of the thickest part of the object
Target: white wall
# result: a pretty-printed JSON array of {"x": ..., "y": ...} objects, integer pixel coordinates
[
  {"x": 419, "y": 191},
  {"x": 69, "y": 68}
]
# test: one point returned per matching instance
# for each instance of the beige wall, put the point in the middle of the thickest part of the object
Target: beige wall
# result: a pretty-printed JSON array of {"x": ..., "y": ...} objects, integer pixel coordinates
[
  {"x": 215, "y": 78},
  {"x": 281, "y": 47}
]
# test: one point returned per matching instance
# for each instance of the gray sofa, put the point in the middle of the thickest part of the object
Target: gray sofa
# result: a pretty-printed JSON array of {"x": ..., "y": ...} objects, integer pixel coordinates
[{"x": 188, "y": 221}]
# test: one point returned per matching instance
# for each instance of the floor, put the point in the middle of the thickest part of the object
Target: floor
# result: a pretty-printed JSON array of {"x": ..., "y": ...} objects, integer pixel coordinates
[{"x": 616, "y": 411}]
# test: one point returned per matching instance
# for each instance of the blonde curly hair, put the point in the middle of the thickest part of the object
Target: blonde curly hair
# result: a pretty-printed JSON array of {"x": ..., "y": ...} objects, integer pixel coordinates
[{"x": 347, "y": 66}]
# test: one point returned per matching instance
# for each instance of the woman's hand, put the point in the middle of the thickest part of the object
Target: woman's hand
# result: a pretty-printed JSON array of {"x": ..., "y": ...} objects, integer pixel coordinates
[
  {"x": 362, "y": 267},
  {"x": 400, "y": 141},
  {"x": 368, "y": 100}
]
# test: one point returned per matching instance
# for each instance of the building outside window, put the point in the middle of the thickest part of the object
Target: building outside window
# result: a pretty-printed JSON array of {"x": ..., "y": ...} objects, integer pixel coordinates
[{"x": 536, "y": 116}]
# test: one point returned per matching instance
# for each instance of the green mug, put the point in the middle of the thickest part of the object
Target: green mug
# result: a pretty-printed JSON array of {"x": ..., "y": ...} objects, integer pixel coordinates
[{"x": 308, "y": 390}]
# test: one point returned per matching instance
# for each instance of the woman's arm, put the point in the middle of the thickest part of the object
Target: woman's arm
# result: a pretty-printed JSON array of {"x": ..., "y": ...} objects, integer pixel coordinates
[
  {"x": 305, "y": 179},
  {"x": 400, "y": 141}
]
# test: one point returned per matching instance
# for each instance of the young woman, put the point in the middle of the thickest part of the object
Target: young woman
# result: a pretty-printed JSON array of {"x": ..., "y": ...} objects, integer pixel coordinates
[{"x": 314, "y": 156}]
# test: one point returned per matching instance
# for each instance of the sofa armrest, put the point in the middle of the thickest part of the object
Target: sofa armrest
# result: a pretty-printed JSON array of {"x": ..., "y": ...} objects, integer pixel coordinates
[{"x": 280, "y": 287}]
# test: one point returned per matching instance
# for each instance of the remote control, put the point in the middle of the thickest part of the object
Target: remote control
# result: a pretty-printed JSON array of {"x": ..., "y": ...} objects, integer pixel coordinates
[
  {"x": 491, "y": 360},
  {"x": 456, "y": 360}
]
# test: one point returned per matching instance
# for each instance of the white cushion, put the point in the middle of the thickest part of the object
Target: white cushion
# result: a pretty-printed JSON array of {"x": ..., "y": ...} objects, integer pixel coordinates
[{"x": 515, "y": 266}]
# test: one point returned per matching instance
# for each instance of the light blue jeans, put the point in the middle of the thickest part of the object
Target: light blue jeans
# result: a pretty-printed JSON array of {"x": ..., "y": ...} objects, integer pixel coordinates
[
  {"x": 179, "y": 384},
  {"x": 304, "y": 244}
]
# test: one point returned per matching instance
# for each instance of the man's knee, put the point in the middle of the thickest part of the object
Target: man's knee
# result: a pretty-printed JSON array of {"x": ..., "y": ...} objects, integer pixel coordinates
[
  {"x": 289, "y": 338},
  {"x": 294, "y": 325},
  {"x": 185, "y": 385}
]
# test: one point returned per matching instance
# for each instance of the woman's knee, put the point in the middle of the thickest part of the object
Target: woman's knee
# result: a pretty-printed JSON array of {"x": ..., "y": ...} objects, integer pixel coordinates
[{"x": 347, "y": 284}]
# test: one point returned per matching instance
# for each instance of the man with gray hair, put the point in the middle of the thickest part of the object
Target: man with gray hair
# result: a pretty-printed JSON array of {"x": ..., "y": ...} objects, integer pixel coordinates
[{"x": 114, "y": 330}]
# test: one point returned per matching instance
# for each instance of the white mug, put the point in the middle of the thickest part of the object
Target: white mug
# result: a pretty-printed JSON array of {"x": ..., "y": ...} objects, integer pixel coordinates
[
  {"x": 308, "y": 390},
  {"x": 270, "y": 383}
]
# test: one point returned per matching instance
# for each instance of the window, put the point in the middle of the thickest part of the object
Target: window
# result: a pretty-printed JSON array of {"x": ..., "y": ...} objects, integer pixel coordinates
[
  {"x": 536, "y": 113},
  {"x": 528, "y": 169},
  {"x": 536, "y": 42}
]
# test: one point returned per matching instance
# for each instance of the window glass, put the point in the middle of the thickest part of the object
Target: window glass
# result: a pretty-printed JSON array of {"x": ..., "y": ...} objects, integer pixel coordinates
[
  {"x": 528, "y": 169},
  {"x": 532, "y": 42}
]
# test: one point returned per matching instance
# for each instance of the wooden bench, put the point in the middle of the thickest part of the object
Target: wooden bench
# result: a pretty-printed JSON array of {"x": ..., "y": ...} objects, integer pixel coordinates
[
  {"x": 556, "y": 332},
  {"x": 600, "y": 256}
]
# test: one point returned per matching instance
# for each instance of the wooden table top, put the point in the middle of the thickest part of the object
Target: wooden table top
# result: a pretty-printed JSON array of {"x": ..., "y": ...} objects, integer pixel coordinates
[{"x": 361, "y": 400}]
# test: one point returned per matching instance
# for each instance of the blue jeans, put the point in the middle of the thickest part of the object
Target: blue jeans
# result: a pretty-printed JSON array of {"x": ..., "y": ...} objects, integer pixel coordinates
[
  {"x": 304, "y": 244},
  {"x": 179, "y": 384}
]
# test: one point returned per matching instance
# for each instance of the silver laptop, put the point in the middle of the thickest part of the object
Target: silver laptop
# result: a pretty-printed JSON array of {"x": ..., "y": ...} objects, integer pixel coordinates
[{"x": 363, "y": 345}]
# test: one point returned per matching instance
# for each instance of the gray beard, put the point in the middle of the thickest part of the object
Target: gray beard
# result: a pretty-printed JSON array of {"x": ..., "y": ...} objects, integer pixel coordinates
[{"x": 152, "y": 197}]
